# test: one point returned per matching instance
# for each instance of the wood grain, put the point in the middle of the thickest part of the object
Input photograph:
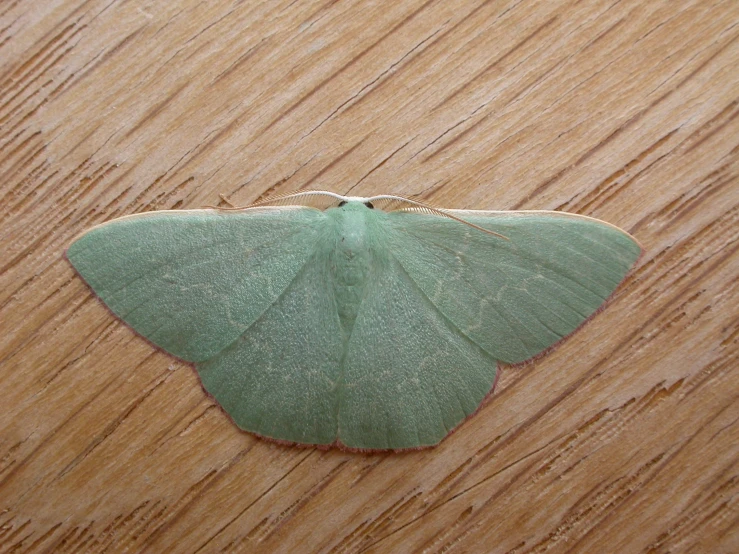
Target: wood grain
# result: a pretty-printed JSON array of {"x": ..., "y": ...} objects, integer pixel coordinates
[{"x": 624, "y": 439}]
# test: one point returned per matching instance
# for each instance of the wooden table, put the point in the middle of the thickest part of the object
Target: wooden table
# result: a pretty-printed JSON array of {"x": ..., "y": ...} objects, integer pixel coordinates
[{"x": 624, "y": 439}]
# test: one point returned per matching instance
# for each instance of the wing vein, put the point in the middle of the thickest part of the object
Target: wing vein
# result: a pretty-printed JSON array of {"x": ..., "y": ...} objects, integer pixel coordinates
[
  {"x": 449, "y": 321},
  {"x": 268, "y": 306}
]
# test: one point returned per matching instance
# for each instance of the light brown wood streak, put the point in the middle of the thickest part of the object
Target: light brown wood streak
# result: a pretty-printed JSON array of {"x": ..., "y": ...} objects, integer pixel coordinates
[
  {"x": 376, "y": 83},
  {"x": 625, "y": 438},
  {"x": 627, "y": 125},
  {"x": 495, "y": 63},
  {"x": 346, "y": 66}
]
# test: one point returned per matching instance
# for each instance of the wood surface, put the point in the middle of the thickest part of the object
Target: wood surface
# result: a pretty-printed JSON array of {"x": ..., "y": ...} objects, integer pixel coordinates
[{"x": 624, "y": 439}]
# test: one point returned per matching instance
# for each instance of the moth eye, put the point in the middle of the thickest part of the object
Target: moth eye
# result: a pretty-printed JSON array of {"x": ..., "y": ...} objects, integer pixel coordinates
[
  {"x": 369, "y": 205},
  {"x": 342, "y": 203}
]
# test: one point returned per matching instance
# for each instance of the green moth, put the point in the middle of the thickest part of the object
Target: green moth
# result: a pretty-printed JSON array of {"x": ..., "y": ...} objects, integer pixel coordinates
[{"x": 362, "y": 323}]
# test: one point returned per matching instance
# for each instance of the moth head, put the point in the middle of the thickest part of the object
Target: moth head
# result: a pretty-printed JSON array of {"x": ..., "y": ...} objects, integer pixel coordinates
[
  {"x": 324, "y": 200},
  {"x": 356, "y": 202}
]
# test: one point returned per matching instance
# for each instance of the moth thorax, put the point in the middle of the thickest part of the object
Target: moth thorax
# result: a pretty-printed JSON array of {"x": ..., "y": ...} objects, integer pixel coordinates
[{"x": 350, "y": 268}]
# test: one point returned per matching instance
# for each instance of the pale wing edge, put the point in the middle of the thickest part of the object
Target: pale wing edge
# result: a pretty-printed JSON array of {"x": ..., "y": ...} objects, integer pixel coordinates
[
  {"x": 196, "y": 211},
  {"x": 552, "y": 213}
]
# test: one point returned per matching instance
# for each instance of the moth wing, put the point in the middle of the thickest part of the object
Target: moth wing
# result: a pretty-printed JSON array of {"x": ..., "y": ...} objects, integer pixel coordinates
[
  {"x": 410, "y": 376},
  {"x": 193, "y": 281},
  {"x": 514, "y": 298},
  {"x": 280, "y": 378},
  {"x": 448, "y": 301}
]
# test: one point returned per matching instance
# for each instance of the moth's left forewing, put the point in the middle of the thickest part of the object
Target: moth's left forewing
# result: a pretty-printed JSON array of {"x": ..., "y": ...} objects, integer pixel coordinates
[
  {"x": 516, "y": 297},
  {"x": 588, "y": 236}
]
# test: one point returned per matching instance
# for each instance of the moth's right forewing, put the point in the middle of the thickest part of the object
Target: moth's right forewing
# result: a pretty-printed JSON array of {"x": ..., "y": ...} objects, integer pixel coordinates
[{"x": 193, "y": 281}]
